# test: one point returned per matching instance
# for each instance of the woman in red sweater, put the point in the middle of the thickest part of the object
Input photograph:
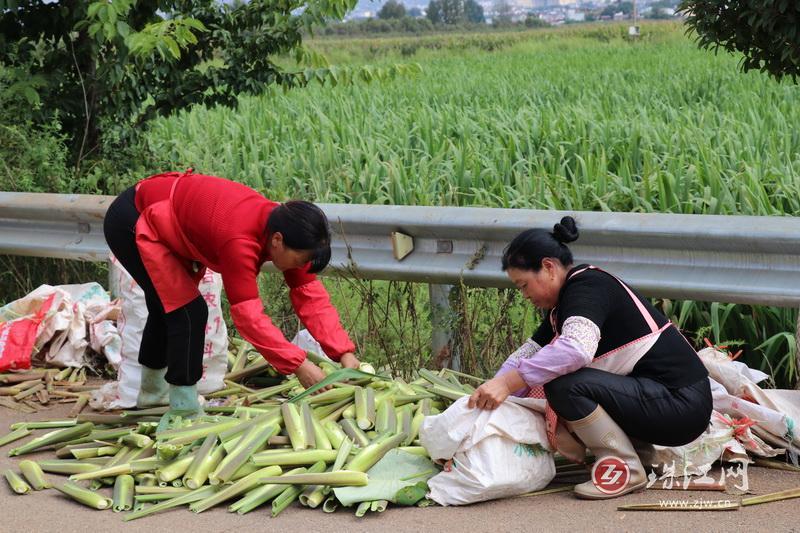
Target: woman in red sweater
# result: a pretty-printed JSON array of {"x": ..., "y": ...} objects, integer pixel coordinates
[{"x": 169, "y": 227}]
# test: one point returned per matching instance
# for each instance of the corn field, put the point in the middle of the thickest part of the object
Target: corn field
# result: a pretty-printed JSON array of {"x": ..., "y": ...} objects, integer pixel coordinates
[{"x": 572, "y": 119}]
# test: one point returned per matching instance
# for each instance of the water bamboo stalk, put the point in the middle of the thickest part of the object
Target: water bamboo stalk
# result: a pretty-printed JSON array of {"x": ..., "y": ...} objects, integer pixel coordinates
[
  {"x": 15, "y": 435},
  {"x": 363, "y": 508},
  {"x": 289, "y": 495},
  {"x": 52, "y": 438},
  {"x": 85, "y": 496},
  {"x": 16, "y": 483},
  {"x": 386, "y": 418},
  {"x": 183, "y": 499},
  {"x": 330, "y": 505},
  {"x": 123, "y": 494},
  {"x": 334, "y": 432},
  {"x": 291, "y": 457},
  {"x": 209, "y": 463},
  {"x": 67, "y": 467},
  {"x": 340, "y": 478},
  {"x": 243, "y": 485},
  {"x": 368, "y": 456},
  {"x": 83, "y": 400},
  {"x": 354, "y": 432},
  {"x": 294, "y": 426},
  {"x": 34, "y": 475},
  {"x": 260, "y": 495},
  {"x": 228, "y": 467},
  {"x": 175, "y": 469}
]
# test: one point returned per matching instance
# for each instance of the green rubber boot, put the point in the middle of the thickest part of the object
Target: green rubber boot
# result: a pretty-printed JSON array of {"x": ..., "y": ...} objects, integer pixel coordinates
[
  {"x": 154, "y": 390},
  {"x": 183, "y": 404}
]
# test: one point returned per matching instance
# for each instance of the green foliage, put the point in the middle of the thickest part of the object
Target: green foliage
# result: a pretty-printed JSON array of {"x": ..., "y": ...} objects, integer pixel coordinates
[
  {"x": 446, "y": 11},
  {"x": 373, "y": 26},
  {"x": 766, "y": 32},
  {"x": 32, "y": 155},
  {"x": 502, "y": 13},
  {"x": 111, "y": 66},
  {"x": 473, "y": 12},
  {"x": 473, "y": 24},
  {"x": 573, "y": 119},
  {"x": 392, "y": 10},
  {"x": 534, "y": 21},
  {"x": 626, "y": 8}
]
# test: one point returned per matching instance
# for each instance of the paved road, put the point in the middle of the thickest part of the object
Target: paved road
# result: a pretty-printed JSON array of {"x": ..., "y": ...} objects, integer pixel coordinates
[{"x": 49, "y": 511}]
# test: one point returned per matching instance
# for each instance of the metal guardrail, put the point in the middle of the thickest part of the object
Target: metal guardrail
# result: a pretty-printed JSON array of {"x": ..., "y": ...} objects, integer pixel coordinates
[{"x": 751, "y": 260}]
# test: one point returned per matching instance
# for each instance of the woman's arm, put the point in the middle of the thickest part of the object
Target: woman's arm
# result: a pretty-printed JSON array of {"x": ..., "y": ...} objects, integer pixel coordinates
[
  {"x": 313, "y": 307},
  {"x": 572, "y": 350}
]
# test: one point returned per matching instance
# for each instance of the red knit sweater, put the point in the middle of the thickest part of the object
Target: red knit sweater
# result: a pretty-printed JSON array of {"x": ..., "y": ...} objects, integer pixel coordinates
[{"x": 222, "y": 224}]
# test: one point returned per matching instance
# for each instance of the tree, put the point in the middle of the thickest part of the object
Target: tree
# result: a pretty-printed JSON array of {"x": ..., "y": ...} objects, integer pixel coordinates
[
  {"x": 392, "y": 10},
  {"x": 503, "y": 13},
  {"x": 434, "y": 12},
  {"x": 446, "y": 11},
  {"x": 473, "y": 12},
  {"x": 626, "y": 8},
  {"x": 535, "y": 21},
  {"x": 109, "y": 66},
  {"x": 764, "y": 31},
  {"x": 415, "y": 12},
  {"x": 662, "y": 9},
  {"x": 452, "y": 11}
]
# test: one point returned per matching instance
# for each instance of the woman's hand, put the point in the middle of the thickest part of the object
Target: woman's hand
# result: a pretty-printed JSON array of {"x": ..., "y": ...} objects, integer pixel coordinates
[
  {"x": 309, "y": 374},
  {"x": 494, "y": 392},
  {"x": 349, "y": 360}
]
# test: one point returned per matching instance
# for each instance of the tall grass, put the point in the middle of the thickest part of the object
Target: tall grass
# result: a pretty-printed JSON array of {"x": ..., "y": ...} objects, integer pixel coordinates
[{"x": 579, "y": 119}]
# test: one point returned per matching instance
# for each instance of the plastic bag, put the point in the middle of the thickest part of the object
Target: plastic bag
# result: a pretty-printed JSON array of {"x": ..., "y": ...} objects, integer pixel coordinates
[
  {"x": 124, "y": 392},
  {"x": 776, "y": 412},
  {"x": 51, "y": 324},
  {"x": 488, "y": 454},
  {"x": 18, "y": 336}
]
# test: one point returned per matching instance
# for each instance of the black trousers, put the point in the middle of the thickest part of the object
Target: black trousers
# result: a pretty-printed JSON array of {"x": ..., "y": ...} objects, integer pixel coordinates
[
  {"x": 645, "y": 409},
  {"x": 174, "y": 340}
]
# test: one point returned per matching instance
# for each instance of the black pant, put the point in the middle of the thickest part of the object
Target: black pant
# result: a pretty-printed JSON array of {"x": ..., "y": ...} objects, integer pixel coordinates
[
  {"x": 645, "y": 409},
  {"x": 176, "y": 339}
]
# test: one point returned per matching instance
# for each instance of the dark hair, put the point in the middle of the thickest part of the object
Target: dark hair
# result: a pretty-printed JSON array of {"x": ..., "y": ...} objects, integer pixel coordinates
[
  {"x": 528, "y": 248},
  {"x": 304, "y": 227}
]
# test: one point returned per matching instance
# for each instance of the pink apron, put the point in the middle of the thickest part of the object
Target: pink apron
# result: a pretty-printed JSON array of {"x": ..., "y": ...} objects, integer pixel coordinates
[{"x": 619, "y": 361}]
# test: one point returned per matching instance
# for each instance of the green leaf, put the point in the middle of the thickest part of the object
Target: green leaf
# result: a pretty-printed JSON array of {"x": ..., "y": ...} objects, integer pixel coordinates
[
  {"x": 335, "y": 377},
  {"x": 172, "y": 46},
  {"x": 412, "y": 494},
  {"x": 109, "y": 30},
  {"x": 93, "y": 9},
  {"x": 194, "y": 23},
  {"x": 123, "y": 29},
  {"x": 391, "y": 479},
  {"x": 94, "y": 28},
  {"x": 30, "y": 95}
]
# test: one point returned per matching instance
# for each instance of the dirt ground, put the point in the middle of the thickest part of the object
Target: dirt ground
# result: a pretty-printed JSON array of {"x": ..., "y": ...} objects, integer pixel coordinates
[{"x": 50, "y": 511}]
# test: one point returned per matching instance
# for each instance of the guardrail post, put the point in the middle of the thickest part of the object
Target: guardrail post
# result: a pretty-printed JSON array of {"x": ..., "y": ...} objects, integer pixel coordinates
[{"x": 444, "y": 321}]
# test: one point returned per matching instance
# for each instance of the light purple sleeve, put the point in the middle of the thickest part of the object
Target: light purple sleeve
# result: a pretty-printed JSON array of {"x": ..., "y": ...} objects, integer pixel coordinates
[
  {"x": 571, "y": 351},
  {"x": 512, "y": 363},
  {"x": 564, "y": 356}
]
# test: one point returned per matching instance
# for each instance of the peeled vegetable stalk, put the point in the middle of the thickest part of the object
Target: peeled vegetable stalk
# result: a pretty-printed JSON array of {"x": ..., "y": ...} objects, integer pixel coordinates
[{"x": 250, "y": 447}]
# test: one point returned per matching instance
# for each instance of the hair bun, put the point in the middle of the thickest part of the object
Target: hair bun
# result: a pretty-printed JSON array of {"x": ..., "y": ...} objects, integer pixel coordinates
[{"x": 566, "y": 231}]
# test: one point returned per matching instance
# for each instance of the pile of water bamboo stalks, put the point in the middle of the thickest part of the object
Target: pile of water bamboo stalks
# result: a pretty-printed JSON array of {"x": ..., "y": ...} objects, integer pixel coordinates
[
  {"x": 28, "y": 391},
  {"x": 253, "y": 446}
]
